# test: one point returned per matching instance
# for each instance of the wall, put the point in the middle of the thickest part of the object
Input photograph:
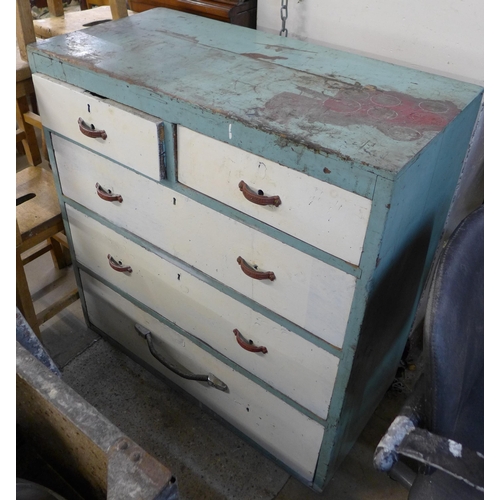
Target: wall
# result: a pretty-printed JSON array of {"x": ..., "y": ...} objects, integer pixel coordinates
[{"x": 441, "y": 36}]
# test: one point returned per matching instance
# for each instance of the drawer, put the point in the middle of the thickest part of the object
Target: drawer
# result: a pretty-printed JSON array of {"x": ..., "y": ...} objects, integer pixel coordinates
[
  {"x": 306, "y": 291},
  {"x": 323, "y": 215},
  {"x": 292, "y": 365},
  {"x": 283, "y": 431},
  {"x": 133, "y": 138}
]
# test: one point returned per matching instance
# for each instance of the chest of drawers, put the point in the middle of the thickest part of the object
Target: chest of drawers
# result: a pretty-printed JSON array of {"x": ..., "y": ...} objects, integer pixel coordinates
[{"x": 252, "y": 217}]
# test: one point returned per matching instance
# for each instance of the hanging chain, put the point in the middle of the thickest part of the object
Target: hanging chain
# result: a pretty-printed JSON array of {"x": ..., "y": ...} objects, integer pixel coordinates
[{"x": 284, "y": 16}]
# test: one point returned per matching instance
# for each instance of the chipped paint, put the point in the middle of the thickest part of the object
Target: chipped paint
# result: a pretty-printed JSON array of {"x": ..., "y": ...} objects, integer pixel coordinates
[{"x": 455, "y": 448}]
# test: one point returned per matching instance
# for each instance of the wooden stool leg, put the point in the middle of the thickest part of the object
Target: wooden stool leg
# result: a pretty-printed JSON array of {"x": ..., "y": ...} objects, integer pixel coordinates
[
  {"x": 29, "y": 141},
  {"x": 24, "y": 301},
  {"x": 60, "y": 255}
]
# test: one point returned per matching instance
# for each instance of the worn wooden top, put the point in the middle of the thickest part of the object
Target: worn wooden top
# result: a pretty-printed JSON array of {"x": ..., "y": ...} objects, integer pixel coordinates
[{"x": 360, "y": 109}]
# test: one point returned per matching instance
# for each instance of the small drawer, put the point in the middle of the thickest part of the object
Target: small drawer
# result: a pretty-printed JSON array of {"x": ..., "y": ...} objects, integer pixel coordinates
[
  {"x": 123, "y": 134},
  {"x": 292, "y": 365},
  {"x": 308, "y": 292},
  {"x": 321, "y": 214},
  {"x": 280, "y": 429}
]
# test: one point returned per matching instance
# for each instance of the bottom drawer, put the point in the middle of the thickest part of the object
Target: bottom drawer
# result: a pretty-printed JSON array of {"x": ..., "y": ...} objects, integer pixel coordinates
[{"x": 284, "y": 432}]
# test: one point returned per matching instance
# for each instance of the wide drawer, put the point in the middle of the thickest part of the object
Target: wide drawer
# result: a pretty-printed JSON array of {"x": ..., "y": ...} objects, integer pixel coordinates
[
  {"x": 321, "y": 214},
  {"x": 131, "y": 137},
  {"x": 306, "y": 291},
  {"x": 292, "y": 365},
  {"x": 283, "y": 431}
]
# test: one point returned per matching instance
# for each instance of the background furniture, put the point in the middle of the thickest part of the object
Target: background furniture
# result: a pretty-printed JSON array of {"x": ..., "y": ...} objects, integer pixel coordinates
[
  {"x": 442, "y": 425},
  {"x": 39, "y": 224},
  {"x": 239, "y": 12},
  {"x": 247, "y": 225}
]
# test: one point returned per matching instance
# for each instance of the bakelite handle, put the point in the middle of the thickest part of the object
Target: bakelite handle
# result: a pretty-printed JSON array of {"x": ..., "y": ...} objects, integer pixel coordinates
[
  {"x": 258, "y": 199},
  {"x": 248, "y": 345},
  {"x": 210, "y": 378},
  {"x": 91, "y": 131},
  {"x": 102, "y": 193},
  {"x": 117, "y": 266},
  {"x": 253, "y": 273}
]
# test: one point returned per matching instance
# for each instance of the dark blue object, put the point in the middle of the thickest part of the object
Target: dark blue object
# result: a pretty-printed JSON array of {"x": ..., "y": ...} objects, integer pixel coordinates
[
  {"x": 442, "y": 423},
  {"x": 27, "y": 338}
]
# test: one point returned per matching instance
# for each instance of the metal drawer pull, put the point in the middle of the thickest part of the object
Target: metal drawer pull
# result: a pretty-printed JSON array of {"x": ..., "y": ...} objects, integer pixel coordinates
[
  {"x": 117, "y": 266},
  {"x": 211, "y": 379},
  {"x": 253, "y": 273},
  {"x": 248, "y": 344},
  {"x": 258, "y": 198},
  {"x": 91, "y": 131},
  {"x": 107, "y": 196}
]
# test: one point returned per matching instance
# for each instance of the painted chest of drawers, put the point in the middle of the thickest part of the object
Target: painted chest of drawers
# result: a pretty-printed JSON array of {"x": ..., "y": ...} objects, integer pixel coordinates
[{"x": 252, "y": 217}]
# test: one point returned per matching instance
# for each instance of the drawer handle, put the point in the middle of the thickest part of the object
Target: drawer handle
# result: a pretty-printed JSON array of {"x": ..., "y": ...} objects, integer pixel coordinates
[
  {"x": 258, "y": 198},
  {"x": 248, "y": 344},
  {"x": 105, "y": 195},
  {"x": 91, "y": 131},
  {"x": 211, "y": 379},
  {"x": 253, "y": 273},
  {"x": 117, "y": 266}
]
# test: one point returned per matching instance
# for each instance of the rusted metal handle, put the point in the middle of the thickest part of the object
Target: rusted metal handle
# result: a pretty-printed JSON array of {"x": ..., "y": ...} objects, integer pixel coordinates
[
  {"x": 105, "y": 195},
  {"x": 117, "y": 266},
  {"x": 253, "y": 273},
  {"x": 258, "y": 198},
  {"x": 210, "y": 378},
  {"x": 248, "y": 345},
  {"x": 91, "y": 131}
]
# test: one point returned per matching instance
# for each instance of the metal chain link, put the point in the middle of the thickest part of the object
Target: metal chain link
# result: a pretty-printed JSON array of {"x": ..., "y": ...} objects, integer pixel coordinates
[{"x": 284, "y": 16}]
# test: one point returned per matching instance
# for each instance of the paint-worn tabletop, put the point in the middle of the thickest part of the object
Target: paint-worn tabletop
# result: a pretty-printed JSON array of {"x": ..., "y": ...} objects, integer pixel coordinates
[{"x": 376, "y": 115}]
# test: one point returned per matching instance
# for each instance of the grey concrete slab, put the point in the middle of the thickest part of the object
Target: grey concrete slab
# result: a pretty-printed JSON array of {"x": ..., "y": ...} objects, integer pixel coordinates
[{"x": 209, "y": 461}]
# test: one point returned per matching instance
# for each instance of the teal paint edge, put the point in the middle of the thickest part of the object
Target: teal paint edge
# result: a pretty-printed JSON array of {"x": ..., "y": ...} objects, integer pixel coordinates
[
  {"x": 376, "y": 225},
  {"x": 255, "y": 306},
  {"x": 213, "y": 352},
  {"x": 196, "y": 402},
  {"x": 325, "y": 167},
  {"x": 437, "y": 155}
]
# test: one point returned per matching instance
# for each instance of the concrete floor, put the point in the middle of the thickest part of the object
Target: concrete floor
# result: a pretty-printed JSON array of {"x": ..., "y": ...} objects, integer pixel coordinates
[{"x": 209, "y": 461}]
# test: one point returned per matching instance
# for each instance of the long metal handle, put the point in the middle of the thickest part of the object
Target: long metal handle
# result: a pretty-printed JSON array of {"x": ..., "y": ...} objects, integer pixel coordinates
[
  {"x": 91, "y": 131},
  {"x": 211, "y": 379},
  {"x": 253, "y": 273},
  {"x": 248, "y": 344},
  {"x": 258, "y": 198},
  {"x": 107, "y": 196}
]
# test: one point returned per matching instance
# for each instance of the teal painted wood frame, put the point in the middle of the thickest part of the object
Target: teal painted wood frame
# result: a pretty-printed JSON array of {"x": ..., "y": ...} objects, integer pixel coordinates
[{"x": 409, "y": 202}]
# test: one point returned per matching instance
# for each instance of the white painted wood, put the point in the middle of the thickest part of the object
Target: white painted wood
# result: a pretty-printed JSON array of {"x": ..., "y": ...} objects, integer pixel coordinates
[
  {"x": 306, "y": 291},
  {"x": 133, "y": 138},
  {"x": 216, "y": 168},
  {"x": 286, "y": 433},
  {"x": 294, "y": 366}
]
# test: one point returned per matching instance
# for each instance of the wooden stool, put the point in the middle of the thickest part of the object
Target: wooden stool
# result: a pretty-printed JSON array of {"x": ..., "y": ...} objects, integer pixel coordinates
[
  {"x": 38, "y": 220},
  {"x": 60, "y": 23}
]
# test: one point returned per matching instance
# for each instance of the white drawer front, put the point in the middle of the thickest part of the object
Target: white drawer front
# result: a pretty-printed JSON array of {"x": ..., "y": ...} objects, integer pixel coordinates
[
  {"x": 294, "y": 366},
  {"x": 316, "y": 212},
  {"x": 286, "y": 433},
  {"x": 133, "y": 138},
  {"x": 306, "y": 291}
]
